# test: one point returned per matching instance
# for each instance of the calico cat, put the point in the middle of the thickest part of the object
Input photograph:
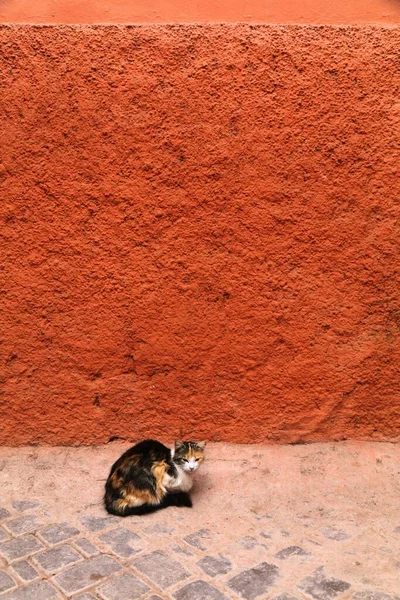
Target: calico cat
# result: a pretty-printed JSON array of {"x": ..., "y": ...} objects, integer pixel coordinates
[{"x": 150, "y": 476}]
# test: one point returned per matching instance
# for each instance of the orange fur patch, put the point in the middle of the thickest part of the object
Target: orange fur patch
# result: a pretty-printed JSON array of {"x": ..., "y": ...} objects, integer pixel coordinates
[
  {"x": 159, "y": 469},
  {"x": 197, "y": 454}
]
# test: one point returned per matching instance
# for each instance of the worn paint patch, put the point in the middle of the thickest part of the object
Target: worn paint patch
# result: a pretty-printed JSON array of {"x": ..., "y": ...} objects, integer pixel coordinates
[{"x": 181, "y": 11}]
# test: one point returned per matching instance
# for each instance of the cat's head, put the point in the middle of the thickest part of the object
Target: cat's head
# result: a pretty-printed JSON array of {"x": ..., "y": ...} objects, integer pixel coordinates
[{"x": 189, "y": 455}]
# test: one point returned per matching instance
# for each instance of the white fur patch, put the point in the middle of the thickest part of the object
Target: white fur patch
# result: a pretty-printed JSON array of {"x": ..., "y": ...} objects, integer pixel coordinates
[{"x": 181, "y": 483}]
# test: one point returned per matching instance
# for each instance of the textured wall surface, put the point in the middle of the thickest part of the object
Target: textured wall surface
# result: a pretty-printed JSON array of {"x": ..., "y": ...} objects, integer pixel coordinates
[
  {"x": 189, "y": 11},
  {"x": 200, "y": 233}
]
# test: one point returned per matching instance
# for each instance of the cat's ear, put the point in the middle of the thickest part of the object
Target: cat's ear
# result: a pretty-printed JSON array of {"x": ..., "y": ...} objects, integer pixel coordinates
[
  {"x": 201, "y": 445},
  {"x": 178, "y": 445}
]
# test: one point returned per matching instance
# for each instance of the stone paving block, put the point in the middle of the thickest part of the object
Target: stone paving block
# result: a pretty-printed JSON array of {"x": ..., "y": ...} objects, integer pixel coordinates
[
  {"x": 181, "y": 550},
  {"x": 20, "y": 547},
  {"x": 25, "y": 524},
  {"x": 125, "y": 586},
  {"x": 370, "y": 595},
  {"x": 285, "y": 596},
  {"x": 97, "y": 523},
  {"x": 254, "y": 582},
  {"x": 290, "y": 551},
  {"x": 199, "y": 590},
  {"x": 4, "y": 513},
  {"x": 161, "y": 569},
  {"x": 86, "y": 547},
  {"x": 249, "y": 542},
  {"x": 320, "y": 587},
  {"x": 198, "y": 539},
  {"x": 23, "y": 505},
  {"x": 334, "y": 533},
  {"x": 25, "y": 571},
  {"x": 158, "y": 529},
  {"x": 59, "y": 532},
  {"x": 39, "y": 590},
  {"x": 155, "y": 598},
  {"x": 285, "y": 533},
  {"x": 215, "y": 565},
  {"x": 85, "y": 574},
  {"x": 3, "y": 535},
  {"x": 86, "y": 596},
  {"x": 6, "y": 583},
  {"x": 56, "y": 558},
  {"x": 123, "y": 542}
]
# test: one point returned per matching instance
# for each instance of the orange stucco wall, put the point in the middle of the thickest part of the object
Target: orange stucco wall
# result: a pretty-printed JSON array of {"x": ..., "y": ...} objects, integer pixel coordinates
[
  {"x": 200, "y": 233},
  {"x": 189, "y": 11}
]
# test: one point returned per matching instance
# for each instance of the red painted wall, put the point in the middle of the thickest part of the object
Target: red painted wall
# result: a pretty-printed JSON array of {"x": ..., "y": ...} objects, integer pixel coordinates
[
  {"x": 206, "y": 11},
  {"x": 201, "y": 233}
]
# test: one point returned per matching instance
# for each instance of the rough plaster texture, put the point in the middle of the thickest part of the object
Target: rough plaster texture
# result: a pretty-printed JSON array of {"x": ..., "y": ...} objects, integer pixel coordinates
[
  {"x": 192, "y": 11},
  {"x": 200, "y": 233}
]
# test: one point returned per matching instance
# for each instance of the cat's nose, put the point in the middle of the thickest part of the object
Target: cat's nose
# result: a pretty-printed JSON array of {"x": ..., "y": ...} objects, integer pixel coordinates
[{"x": 191, "y": 468}]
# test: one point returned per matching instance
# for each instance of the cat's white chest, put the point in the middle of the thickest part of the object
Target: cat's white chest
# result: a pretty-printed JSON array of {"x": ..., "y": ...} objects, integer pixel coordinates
[{"x": 182, "y": 482}]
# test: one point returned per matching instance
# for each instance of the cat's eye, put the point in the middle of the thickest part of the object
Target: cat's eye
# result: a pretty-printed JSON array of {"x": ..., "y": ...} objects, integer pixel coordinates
[{"x": 197, "y": 459}]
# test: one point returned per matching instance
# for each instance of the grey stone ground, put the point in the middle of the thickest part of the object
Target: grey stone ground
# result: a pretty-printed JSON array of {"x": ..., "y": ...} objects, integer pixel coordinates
[{"x": 317, "y": 522}]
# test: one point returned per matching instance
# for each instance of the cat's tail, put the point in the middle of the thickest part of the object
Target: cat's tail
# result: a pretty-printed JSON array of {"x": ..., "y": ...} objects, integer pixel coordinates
[
  {"x": 128, "y": 511},
  {"x": 121, "y": 509}
]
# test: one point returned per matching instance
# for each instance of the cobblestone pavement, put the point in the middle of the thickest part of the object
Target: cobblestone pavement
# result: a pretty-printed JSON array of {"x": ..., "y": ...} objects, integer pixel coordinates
[{"x": 318, "y": 522}]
